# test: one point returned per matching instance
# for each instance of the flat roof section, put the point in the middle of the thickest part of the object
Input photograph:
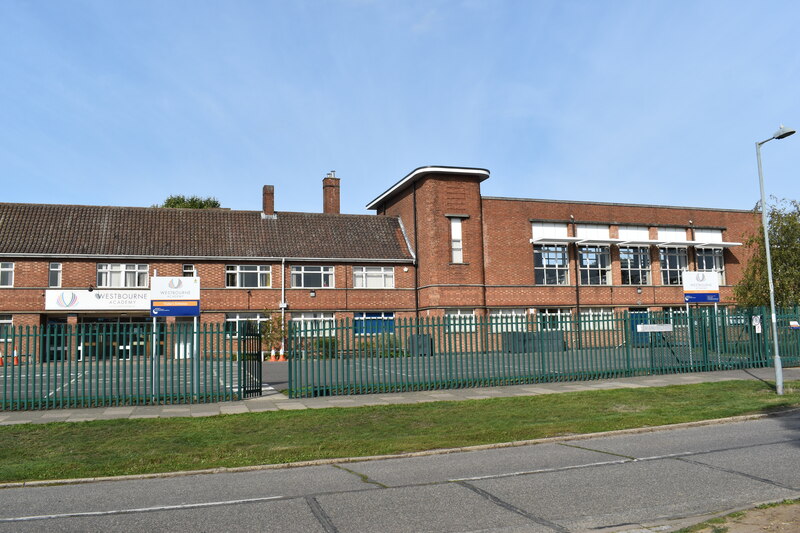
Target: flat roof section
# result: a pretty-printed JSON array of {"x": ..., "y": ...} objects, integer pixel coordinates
[{"x": 421, "y": 172}]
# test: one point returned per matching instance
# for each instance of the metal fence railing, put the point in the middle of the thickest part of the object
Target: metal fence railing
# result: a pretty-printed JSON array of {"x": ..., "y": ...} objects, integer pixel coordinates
[
  {"x": 350, "y": 357},
  {"x": 58, "y": 366}
]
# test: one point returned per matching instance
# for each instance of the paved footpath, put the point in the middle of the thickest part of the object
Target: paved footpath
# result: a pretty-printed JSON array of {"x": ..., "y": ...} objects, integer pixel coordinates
[{"x": 272, "y": 400}]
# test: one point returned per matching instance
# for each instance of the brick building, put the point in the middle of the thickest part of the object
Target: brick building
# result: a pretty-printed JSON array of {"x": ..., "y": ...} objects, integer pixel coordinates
[{"x": 435, "y": 247}]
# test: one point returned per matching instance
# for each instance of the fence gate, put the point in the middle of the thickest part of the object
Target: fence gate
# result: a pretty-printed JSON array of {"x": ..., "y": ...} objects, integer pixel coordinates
[{"x": 249, "y": 360}]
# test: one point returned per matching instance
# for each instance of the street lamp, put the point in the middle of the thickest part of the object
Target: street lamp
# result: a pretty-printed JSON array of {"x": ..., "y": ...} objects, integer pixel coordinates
[{"x": 782, "y": 133}]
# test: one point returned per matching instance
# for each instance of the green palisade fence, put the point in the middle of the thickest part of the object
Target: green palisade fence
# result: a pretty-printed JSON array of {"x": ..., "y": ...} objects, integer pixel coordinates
[
  {"x": 335, "y": 358},
  {"x": 59, "y": 366}
]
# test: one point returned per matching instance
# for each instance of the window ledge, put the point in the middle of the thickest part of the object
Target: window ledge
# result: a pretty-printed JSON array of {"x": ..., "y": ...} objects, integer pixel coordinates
[{"x": 458, "y": 264}]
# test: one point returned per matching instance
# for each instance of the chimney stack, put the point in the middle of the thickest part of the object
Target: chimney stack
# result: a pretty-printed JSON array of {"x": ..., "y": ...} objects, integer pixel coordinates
[
  {"x": 268, "y": 201},
  {"x": 330, "y": 194}
]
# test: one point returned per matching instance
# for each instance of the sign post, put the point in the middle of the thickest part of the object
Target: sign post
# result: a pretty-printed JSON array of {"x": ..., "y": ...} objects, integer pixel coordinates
[{"x": 179, "y": 296}]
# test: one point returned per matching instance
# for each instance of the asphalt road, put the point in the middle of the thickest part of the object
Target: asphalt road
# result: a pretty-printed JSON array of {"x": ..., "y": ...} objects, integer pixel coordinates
[{"x": 621, "y": 482}]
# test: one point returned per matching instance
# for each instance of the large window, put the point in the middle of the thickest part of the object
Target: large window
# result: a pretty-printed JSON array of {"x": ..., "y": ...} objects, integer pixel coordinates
[
  {"x": 673, "y": 264},
  {"x": 597, "y": 318},
  {"x": 122, "y": 275},
  {"x": 248, "y": 276},
  {"x": 595, "y": 265},
  {"x": 456, "y": 241},
  {"x": 635, "y": 265},
  {"x": 314, "y": 324},
  {"x": 236, "y": 322},
  {"x": 373, "y": 323},
  {"x": 6, "y": 274},
  {"x": 553, "y": 319},
  {"x": 373, "y": 277},
  {"x": 550, "y": 264},
  {"x": 504, "y": 320},
  {"x": 54, "y": 275},
  {"x": 711, "y": 260},
  {"x": 460, "y": 320},
  {"x": 312, "y": 277}
]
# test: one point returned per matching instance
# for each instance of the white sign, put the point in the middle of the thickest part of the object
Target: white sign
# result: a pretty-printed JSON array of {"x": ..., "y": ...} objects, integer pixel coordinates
[
  {"x": 700, "y": 281},
  {"x": 174, "y": 288},
  {"x": 96, "y": 300},
  {"x": 653, "y": 328}
]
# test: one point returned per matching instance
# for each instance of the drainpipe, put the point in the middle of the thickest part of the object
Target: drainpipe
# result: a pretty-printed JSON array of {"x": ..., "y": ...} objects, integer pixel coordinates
[
  {"x": 283, "y": 302},
  {"x": 416, "y": 251}
]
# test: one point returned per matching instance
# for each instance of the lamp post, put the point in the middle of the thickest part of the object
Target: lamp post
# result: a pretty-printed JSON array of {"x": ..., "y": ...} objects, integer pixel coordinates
[{"x": 782, "y": 133}]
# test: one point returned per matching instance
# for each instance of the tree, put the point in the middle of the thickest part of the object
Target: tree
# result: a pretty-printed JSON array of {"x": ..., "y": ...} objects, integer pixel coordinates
[
  {"x": 189, "y": 202},
  {"x": 784, "y": 236}
]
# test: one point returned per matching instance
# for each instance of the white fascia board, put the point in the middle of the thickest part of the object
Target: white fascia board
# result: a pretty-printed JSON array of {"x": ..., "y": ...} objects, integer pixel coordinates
[
  {"x": 421, "y": 171},
  {"x": 185, "y": 258},
  {"x": 555, "y": 240}
]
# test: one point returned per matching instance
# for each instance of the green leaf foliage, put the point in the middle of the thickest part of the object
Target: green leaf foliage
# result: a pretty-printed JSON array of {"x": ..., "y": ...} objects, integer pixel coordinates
[
  {"x": 189, "y": 202},
  {"x": 784, "y": 236}
]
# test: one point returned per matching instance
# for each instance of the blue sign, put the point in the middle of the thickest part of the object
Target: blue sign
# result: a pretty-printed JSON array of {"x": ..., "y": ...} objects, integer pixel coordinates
[
  {"x": 701, "y": 297},
  {"x": 175, "y": 308}
]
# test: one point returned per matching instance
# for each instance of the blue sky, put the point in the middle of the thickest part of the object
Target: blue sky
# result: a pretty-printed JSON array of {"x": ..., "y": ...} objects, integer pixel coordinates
[{"x": 658, "y": 102}]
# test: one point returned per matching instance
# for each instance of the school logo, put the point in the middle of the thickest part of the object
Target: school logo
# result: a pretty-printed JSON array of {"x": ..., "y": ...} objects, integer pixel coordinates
[
  {"x": 175, "y": 283},
  {"x": 67, "y": 299}
]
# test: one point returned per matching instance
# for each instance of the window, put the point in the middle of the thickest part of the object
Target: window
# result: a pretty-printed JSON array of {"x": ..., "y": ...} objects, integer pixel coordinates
[
  {"x": 373, "y": 323},
  {"x": 189, "y": 271},
  {"x": 314, "y": 324},
  {"x": 504, "y": 320},
  {"x": 550, "y": 264},
  {"x": 456, "y": 241},
  {"x": 553, "y": 319},
  {"x": 711, "y": 260},
  {"x": 595, "y": 265},
  {"x": 248, "y": 276},
  {"x": 312, "y": 277},
  {"x": 597, "y": 318},
  {"x": 635, "y": 265},
  {"x": 373, "y": 277},
  {"x": 236, "y": 322},
  {"x": 6, "y": 327},
  {"x": 459, "y": 320},
  {"x": 6, "y": 274},
  {"x": 673, "y": 263},
  {"x": 54, "y": 275},
  {"x": 675, "y": 316},
  {"x": 122, "y": 275}
]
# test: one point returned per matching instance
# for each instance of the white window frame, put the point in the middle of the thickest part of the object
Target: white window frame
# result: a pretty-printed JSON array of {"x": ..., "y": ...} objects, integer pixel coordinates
[
  {"x": 235, "y": 276},
  {"x": 551, "y": 260},
  {"x": 594, "y": 269},
  {"x": 633, "y": 265},
  {"x": 678, "y": 253},
  {"x": 315, "y": 324},
  {"x": 140, "y": 273},
  {"x": 506, "y": 320},
  {"x": 189, "y": 270},
  {"x": 6, "y": 324},
  {"x": 563, "y": 318},
  {"x": 597, "y": 318},
  {"x": 456, "y": 240},
  {"x": 459, "y": 320},
  {"x": 6, "y": 274},
  {"x": 717, "y": 257},
  {"x": 238, "y": 318},
  {"x": 54, "y": 269},
  {"x": 363, "y": 276},
  {"x": 327, "y": 276}
]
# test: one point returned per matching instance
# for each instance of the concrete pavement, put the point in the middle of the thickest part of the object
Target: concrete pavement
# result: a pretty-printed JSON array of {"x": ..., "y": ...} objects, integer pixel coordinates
[{"x": 272, "y": 400}]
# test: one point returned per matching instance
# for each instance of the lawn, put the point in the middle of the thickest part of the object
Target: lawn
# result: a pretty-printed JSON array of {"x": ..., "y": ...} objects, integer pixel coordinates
[{"x": 117, "y": 447}]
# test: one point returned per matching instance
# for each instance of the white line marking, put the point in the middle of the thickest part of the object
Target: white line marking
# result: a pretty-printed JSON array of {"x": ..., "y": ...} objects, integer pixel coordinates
[
  {"x": 138, "y": 510},
  {"x": 544, "y": 470}
]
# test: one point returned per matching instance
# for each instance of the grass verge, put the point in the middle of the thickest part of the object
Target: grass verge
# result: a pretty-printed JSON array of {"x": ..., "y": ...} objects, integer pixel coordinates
[
  {"x": 723, "y": 524},
  {"x": 118, "y": 447}
]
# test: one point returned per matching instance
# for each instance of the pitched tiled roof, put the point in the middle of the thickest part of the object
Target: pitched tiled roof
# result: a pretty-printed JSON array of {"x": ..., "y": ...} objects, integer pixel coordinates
[{"x": 159, "y": 232}]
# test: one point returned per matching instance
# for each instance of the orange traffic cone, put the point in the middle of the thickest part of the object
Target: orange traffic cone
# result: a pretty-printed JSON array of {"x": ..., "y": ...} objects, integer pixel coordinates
[
  {"x": 16, "y": 360},
  {"x": 2, "y": 360}
]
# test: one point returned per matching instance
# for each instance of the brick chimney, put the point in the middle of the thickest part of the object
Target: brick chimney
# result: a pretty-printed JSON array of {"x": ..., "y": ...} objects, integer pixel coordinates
[
  {"x": 330, "y": 194},
  {"x": 268, "y": 201}
]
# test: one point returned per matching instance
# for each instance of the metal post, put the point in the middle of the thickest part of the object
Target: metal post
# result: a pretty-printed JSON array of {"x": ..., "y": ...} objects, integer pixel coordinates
[
  {"x": 765, "y": 224},
  {"x": 195, "y": 361}
]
